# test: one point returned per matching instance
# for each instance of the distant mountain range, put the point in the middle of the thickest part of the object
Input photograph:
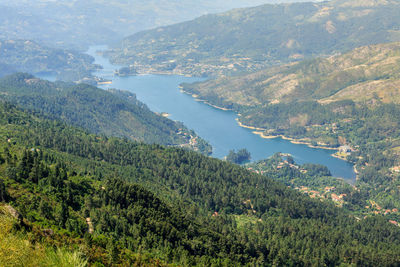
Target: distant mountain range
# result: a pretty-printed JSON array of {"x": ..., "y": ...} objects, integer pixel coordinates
[
  {"x": 250, "y": 39},
  {"x": 78, "y": 24}
]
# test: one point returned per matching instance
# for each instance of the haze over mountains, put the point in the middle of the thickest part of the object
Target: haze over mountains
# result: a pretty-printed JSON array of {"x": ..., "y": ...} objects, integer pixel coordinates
[
  {"x": 248, "y": 39},
  {"x": 77, "y": 24}
]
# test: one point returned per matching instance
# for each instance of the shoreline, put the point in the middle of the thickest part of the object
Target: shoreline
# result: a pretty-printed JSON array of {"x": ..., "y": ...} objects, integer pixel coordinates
[
  {"x": 253, "y": 128},
  {"x": 105, "y": 82},
  {"x": 158, "y": 72},
  {"x": 292, "y": 140},
  {"x": 196, "y": 98},
  {"x": 258, "y": 129},
  {"x": 165, "y": 114}
]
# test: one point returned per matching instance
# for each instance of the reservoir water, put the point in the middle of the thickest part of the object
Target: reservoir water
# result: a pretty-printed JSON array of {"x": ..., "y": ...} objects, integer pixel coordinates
[{"x": 161, "y": 94}]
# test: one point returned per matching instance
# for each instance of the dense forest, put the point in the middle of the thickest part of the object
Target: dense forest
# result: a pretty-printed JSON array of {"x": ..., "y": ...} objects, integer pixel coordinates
[
  {"x": 126, "y": 202},
  {"x": 113, "y": 112}
]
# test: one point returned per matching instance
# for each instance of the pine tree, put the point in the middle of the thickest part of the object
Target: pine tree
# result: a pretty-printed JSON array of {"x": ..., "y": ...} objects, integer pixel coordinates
[
  {"x": 63, "y": 214},
  {"x": 3, "y": 192}
]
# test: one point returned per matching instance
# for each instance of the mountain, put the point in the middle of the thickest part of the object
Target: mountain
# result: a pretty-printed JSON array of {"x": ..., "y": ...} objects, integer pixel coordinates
[
  {"x": 249, "y": 39},
  {"x": 78, "y": 24},
  {"x": 122, "y": 202},
  {"x": 113, "y": 112},
  {"x": 33, "y": 57},
  {"x": 360, "y": 75}
]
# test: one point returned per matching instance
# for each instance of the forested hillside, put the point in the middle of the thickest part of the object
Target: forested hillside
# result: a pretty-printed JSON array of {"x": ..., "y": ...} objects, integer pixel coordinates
[
  {"x": 113, "y": 112},
  {"x": 249, "y": 39},
  {"x": 32, "y": 57},
  {"x": 75, "y": 189}
]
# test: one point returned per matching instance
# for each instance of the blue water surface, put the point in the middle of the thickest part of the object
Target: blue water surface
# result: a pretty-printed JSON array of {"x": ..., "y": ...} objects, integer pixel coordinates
[{"x": 161, "y": 94}]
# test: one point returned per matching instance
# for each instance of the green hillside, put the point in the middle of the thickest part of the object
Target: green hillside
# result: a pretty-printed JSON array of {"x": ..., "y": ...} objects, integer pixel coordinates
[
  {"x": 113, "y": 113},
  {"x": 249, "y": 39},
  {"x": 111, "y": 201},
  {"x": 32, "y": 57}
]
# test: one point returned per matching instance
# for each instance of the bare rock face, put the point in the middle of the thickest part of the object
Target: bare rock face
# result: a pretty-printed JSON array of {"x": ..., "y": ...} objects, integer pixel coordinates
[
  {"x": 48, "y": 232},
  {"x": 13, "y": 212}
]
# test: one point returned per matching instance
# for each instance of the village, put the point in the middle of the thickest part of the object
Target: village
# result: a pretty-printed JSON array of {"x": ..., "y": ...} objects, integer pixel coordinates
[
  {"x": 330, "y": 192},
  {"x": 192, "y": 141}
]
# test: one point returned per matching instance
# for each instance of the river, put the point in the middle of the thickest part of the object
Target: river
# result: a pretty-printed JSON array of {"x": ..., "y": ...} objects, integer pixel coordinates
[{"x": 161, "y": 94}]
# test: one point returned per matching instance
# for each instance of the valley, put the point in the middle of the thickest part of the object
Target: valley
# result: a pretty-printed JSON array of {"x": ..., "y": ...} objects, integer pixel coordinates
[
  {"x": 267, "y": 134},
  {"x": 219, "y": 127}
]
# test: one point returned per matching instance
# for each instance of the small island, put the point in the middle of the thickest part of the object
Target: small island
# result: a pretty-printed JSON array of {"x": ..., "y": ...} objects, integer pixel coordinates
[
  {"x": 240, "y": 157},
  {"x": 126, "y": 71}
]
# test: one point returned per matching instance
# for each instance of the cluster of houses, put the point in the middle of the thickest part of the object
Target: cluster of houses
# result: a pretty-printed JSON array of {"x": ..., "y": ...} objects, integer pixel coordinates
[
  {"x": 343, "y": 152},
  {"x": 326, "y": 194},
  {"x": 256, "y": 171},
  {"x": 379, "y": 210},
  {"x": 293, "y": 166},
  {"x": 329, "y": 191},
  {"x": 395, "y": 169},
  {"x": 192, "y": 140}
]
